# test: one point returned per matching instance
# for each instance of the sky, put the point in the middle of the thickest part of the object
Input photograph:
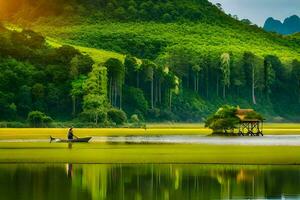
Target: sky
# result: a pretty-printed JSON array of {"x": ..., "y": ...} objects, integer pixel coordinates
[{"x": 259, "y": 10}]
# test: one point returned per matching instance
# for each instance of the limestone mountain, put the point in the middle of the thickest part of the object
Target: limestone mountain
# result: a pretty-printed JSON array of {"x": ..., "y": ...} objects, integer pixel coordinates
[{"x": 290, "y": 25}]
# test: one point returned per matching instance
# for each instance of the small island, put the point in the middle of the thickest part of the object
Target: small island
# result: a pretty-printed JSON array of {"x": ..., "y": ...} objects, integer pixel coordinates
[{"x": 231, "y": 121}]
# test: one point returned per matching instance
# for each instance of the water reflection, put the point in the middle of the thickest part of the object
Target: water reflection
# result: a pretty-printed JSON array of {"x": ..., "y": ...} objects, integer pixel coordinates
[
  {"x": 69, "y": 169},
  {"x": 72, "y": 181}
]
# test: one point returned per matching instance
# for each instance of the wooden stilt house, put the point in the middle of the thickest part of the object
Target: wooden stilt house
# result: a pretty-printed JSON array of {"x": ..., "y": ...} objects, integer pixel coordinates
[{"x": 249, "y": 125}]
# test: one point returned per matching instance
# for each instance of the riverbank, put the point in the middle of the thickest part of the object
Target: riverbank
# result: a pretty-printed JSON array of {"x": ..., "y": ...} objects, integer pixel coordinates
[
  {"x": 151, "y": 129},
  {"x": 158, "y": 143}
]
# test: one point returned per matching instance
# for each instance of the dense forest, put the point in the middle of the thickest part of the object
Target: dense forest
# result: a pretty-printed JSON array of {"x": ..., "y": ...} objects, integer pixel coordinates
[
  {"x": 182, "y": 60},
  {"x": 157, "y": 10}
]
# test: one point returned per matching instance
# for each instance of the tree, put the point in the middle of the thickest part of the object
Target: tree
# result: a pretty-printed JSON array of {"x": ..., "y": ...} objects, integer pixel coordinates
[
  {"x": 269, "y": 76},
  {"x": 148, "y": 68},
  {"x": 116, "y": 78},
  {"x": 135, "y": 101},
  {"x": 181, "y": 62},
  {"x": 95, "y": 94},
  {"x": 80, "y": 64},
  {"x": 77, "y": 91},
  {"x": 132, "y": 71},
  {"x": 219, "y": 6},
  {"x": 196, "y": 70},
  {"x": 132, "y": 12},
  {"x": 38, "y": 91},
  {"x": 295, "y": 77},
  {"x": 24, "y": 100},
  {"x": 120, "y": 13},
  {"x": 65, "y": 54},
  {"x": 225, "y": 67},
  {"x": 117, "y": 116},
  {"x": 172, "y": 83},
  {"x": 223, "y": 120},
  {"x": 38, "y": 119},
  {"x": 33, "y": 39},
  {"x": 246, "y": 21},
  {"x": 250, "y": 65}
]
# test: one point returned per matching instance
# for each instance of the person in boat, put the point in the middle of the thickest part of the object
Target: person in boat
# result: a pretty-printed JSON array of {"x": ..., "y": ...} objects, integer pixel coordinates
[{"x": 70, "y": 134}]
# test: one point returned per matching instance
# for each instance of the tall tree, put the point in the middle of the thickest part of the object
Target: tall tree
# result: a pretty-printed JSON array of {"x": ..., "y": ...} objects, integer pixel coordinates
[
  {"x": 196, "y": 70},
  {"x": 149, "y": 68},
  {"x": 269, "y": 76},
  {"x": 95, "y": 93},
  {"x": 116, "y": 76},
  {"x": 132, "y": 70},
  {"x": 225, "y": 67},
  {"x": 77, "y": 91},
  {"x": 295, "y": 77},
  {"x": 250, "y": 65}
]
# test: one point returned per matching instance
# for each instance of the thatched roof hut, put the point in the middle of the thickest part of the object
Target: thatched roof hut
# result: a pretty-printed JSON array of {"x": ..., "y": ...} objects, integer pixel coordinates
[
  {"x": 246, "y": 115},
  {"x": 250, "y": 122}
]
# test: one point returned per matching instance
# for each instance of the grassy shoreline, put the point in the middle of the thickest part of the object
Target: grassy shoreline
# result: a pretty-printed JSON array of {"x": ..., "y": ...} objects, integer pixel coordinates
[
  {"x": 152, "y": 129},
  {"x": 102, "y": 153},
  {"x": 148, "y": 153}
]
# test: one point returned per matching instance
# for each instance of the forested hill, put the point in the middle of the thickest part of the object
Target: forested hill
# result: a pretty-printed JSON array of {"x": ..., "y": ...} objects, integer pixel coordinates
[
  {"x": 180, "y": 60},
  {"x": 157, "y": 10}
]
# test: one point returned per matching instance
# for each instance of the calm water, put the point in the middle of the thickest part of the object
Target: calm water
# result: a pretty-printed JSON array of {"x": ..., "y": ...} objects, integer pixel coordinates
[
  {"x": 39, "y": 181},
  {"x": 269, "y": 140}
]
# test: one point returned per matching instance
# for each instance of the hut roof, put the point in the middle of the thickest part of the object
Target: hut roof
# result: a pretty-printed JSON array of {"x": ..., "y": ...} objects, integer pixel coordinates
[{"x": 242, "y": 113}]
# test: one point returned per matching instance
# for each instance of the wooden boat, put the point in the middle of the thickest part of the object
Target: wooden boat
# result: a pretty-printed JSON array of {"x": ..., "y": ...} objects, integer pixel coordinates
[{"x": 76, "y": 140}]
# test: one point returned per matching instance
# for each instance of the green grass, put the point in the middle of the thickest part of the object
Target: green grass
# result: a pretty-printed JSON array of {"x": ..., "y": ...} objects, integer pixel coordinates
[
  {"x": 98, "y": 55},
  {"x": 105, "y": 153},
  {"x": 24, "y": 133},
  {"x": 144, "y": 153},
  {"x": 152, "y": 129}
]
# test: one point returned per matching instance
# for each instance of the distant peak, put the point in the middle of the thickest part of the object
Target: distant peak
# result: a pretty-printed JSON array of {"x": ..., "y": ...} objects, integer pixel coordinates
[
  {"x": 294, "y": 16},
  {"x": 289, "y": 26},
  {"x": 270, "y": 18}
]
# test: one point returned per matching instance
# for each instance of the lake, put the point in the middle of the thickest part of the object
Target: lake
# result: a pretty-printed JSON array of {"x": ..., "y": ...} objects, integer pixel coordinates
[{"x": 148, "y": 181}]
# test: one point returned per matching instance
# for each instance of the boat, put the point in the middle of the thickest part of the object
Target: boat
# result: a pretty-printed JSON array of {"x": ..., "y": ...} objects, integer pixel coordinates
[{"x": 76, "y": 140}]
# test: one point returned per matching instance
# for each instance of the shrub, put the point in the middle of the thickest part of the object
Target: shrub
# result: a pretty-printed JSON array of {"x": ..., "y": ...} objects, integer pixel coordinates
[
  {"x": 223, "y": 120},
  {"x": 38, "y": 119},
  {"x": 93, "y": 115},
  {"x": 117, "y": 116},
  {"x": 13, "y": 125},
  {"x": 134, "y": 118}
]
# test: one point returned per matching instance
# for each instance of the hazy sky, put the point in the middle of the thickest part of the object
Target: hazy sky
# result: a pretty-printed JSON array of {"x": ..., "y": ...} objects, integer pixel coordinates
[{"x": 259, "y": 10}]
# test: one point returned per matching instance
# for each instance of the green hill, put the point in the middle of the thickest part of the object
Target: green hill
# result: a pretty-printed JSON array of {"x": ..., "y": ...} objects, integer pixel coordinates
[
  {"x": 151, "y": 39},
  {"x": 111, "y": 25},
  {"x": 192, "y": 56}
]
